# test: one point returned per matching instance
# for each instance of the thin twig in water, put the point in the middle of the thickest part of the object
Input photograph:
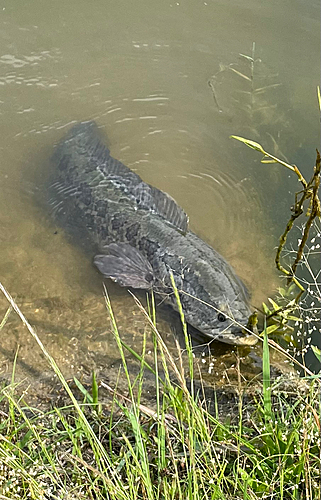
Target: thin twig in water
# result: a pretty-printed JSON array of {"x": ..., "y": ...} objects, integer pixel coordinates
[{"x": 211, "y": 85}]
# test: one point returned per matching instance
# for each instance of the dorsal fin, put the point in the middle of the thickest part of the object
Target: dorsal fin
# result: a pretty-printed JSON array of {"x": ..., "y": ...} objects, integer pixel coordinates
[
  {"x": 157, "y": 201},
  {"x": 167, "y": 207}
]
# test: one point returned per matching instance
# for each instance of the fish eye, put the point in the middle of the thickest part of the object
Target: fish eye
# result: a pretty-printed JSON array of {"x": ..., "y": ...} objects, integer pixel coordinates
[{"x": 221, "y": 317}]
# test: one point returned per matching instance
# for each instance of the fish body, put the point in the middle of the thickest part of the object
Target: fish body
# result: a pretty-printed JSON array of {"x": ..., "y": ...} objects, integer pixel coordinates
[{"x": 139, "y": 236}]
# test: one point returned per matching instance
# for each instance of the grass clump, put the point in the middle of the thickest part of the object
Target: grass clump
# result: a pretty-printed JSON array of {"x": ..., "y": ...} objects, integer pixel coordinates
[{"x": 181, "y": 447}]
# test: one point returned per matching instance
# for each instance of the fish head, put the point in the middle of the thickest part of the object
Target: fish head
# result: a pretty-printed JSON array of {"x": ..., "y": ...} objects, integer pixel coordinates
[{"x": 216, "y": 302}]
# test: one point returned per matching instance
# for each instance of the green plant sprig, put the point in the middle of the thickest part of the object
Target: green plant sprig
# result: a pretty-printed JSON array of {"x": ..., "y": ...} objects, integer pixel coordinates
[{"x": 309, "y": 192}]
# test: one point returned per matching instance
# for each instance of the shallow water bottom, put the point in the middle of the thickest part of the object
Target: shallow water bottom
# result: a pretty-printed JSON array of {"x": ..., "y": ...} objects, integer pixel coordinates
[{"x": 82, "y": 343}]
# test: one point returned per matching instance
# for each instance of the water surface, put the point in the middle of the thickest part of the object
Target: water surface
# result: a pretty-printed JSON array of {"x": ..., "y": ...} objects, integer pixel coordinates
[{"x": 141, "y": 70}]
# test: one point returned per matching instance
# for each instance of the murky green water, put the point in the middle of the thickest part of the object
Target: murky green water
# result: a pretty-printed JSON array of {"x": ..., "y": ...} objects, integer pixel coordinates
[{"x": 141, "y": 70}]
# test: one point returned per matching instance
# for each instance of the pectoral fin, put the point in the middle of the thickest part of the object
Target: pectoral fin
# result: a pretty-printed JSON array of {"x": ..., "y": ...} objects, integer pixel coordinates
[{"x": 125, "y": 265}]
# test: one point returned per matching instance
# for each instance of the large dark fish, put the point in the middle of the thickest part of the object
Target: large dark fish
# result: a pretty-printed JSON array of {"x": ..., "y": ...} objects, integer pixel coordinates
[{"x": 139, "y": 235}]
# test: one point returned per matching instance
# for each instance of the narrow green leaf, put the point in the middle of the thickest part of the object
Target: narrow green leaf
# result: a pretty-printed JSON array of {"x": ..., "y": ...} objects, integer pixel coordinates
[
  {"x": 266, "y": 159},
  {"x": 270, "y": 329},
  {"x": 294, "y": 318},
  {"x": 94, "y": 389},
  {"x": 274, "y": 304},
  {"x": 319, "y": 97},
  {"x": 316, "y": 352},
  {"x": 249, "y": 143},
  {"x": 5, "y": 317},
  {"x": 140, "y": 359},
  {"x": 83, "y": 390},
  {"x": 266, "y": 378}
]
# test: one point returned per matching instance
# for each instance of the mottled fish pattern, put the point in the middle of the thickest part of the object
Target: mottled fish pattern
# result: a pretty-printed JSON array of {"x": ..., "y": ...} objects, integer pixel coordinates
[{"x": 138, "y": 235}]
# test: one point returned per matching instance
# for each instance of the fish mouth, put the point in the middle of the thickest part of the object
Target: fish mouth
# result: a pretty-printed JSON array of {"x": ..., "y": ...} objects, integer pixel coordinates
[
  {"x": 231, "y": 338},
  {"x": 237, "y": 337}
]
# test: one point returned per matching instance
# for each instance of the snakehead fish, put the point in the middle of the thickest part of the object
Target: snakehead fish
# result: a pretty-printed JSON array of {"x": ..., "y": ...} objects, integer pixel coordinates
[{"x": 138, "y": 236}]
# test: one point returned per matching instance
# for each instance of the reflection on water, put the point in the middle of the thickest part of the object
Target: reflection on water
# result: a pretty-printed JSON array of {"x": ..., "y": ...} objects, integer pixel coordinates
[{"x": 142, "y": 73}]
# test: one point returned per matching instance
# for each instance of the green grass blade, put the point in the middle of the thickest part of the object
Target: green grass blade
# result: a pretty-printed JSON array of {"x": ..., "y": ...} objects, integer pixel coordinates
[
  {"x": 94, "y": 389},
  {"x": 266, "y": 378},
  {"x": 83, "y": 390},
  {"x": 5, "y": 317}
]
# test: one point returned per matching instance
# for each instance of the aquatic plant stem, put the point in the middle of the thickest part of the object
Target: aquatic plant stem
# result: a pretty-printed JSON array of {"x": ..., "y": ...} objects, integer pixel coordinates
[
  {"x": 310, "y": 191},
  {"x": 184, "y": 325}
]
